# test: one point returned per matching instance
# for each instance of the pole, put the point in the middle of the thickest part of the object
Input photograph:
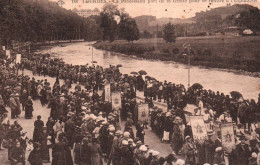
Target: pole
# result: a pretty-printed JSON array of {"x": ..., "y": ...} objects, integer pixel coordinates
[
  {"x": 189, "y": 69},
  {"x": 92, "y": 54}
]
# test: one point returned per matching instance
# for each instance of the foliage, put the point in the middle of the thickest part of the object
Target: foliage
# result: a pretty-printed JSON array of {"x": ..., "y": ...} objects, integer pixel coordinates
[
  {"x": 108, "y": 21},
  {"x": 28, "y": 20},
  {"x": 169, "y": 33},
  {"x": 128, "y": 29}
]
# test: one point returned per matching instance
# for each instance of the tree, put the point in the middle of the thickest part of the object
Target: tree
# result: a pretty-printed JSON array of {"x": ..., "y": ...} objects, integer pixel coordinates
[
  {"x": 108, "y": 21},
  {"x": 169, "y": 33},
  {"x": 128, "y": 29}
]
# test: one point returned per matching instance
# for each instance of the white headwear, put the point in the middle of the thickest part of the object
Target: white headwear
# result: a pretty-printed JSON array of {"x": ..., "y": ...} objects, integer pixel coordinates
[
  {"x": 124, "y": 142},
  {"x": 143, "y": 148},
  {"x": 126, "y": 134},
  {"x": 155, "y": 153}
]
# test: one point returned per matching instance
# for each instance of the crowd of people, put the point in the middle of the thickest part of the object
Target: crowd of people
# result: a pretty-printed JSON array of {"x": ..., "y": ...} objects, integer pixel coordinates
[{"x": 84, "y": 129}]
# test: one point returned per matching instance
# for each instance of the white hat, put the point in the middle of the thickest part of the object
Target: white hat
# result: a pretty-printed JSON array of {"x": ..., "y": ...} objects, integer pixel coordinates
[
  {"x": 218, "y": 149},
  {"x": 126, "y": 134},
  {"x": 254, "y": 155},
  {"x": 143, "y": 148},
  {"x": 119, "y": 132},
  {"x": 111, "y": 129},
  {"x": 150, "y": 151},
  {"x": 155, "y": 153},
  {"x": 187, "y": 137},
  {"x": 206, "y": 164},
  {"x": 124, "y": 142}
]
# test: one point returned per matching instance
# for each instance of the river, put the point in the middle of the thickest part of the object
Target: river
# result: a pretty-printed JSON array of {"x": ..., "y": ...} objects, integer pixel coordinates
[{"x": 214, "y": 79}]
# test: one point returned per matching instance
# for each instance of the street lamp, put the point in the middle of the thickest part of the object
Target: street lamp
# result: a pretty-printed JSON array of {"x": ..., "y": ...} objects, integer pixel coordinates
[{"x": 188, "y": 48}]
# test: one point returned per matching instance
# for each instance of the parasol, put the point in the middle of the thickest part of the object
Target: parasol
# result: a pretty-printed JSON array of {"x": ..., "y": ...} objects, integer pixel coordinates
[
  {"x": 236, "y": 94},
  {"x": 119, "y": 65},
  {"x": 142, "y": 72},
  {"x": 196, "y": 86},
  {"x": 94, "y": 62},
  {"x": 133, "y": 73}
]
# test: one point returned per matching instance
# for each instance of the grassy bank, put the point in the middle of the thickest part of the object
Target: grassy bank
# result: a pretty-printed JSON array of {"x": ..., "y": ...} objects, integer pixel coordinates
[{"x": 238, "y": 53}]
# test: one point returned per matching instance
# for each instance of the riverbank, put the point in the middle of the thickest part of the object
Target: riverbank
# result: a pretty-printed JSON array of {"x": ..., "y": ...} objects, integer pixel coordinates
[{"x": 235, "y": 54}]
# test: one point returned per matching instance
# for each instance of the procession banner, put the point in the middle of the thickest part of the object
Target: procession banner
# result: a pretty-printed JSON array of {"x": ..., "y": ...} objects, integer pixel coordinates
[
  {"x": 18, "y": 58},
  {"x": 228, "y": 137},
  {"x": 116, "y": 101},
  {"x": 198, "y": 127},
  {"x": 8, "y": 53},
  {"x": 107, "y": 92},
  {"x": 3, "y": 47},
  {"x": 143, "y": 112}
]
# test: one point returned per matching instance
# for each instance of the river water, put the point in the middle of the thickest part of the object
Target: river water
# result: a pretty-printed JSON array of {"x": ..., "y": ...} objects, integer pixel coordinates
[{"x": 214, "y": 79}]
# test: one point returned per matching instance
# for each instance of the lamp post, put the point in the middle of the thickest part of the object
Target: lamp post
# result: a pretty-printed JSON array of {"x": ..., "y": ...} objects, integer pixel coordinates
[{"x": 187, "y": 47}]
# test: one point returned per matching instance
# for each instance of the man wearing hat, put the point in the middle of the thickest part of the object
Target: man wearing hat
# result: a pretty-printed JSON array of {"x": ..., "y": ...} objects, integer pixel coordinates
[
  {"x": 209, "y": 147},
  {"x": 155, "y": 158},
  {"x": 190, "y": 151},
  {"x": 115, "y": 153},
  {"x": 125, "y": 154},
  {"x": 142, "y": 155},
  {"x": 242, "y": 151}
]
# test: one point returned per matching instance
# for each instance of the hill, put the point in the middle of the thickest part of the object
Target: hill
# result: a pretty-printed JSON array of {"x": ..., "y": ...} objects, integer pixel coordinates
[{"x": 206, "y": 22}]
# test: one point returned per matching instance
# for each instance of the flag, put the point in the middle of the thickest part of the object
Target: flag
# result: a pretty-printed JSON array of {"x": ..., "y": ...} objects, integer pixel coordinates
[
  {"x": 116, "y": 101},
  {"x": 198, "y": 128},
  {"x": 227, "y": 136},
  {"x": 143, "y": 112},
  {"x": 107, "y": 92}
]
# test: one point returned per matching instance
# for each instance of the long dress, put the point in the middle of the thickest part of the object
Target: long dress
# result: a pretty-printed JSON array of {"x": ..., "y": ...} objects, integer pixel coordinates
[
  {"x": 96, "y": 154},
  {"x": 28, "y": 109},
  {"x": 59, "y": 154}
]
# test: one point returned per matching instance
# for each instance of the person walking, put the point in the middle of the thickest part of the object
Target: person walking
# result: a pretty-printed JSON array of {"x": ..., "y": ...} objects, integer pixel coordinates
[
  {"x": 28, "y": 108},
  {"x": 96, "y": 158}
]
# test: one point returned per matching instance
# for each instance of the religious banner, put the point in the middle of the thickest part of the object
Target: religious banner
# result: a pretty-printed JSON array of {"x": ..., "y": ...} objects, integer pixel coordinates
[
  {"x": 107, "y": 91},
  {"x": 198, "y": 127},
  {"x": 143, "y": 112},
  {"x": 8, "y": 53},
  {"x": 116, "y": 100},
  {"x": 18, "y": 58},
  {"x": 227, "y": 136}
]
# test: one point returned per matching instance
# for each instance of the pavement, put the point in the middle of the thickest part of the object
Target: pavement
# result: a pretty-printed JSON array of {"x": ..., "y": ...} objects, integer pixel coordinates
[{"x": 151, "y": 139}]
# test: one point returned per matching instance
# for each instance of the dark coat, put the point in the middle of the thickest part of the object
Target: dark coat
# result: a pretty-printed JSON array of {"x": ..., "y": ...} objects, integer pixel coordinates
[
  {"x": 243, "y": 154},
  {"x": 59, "y": 154},
  {"x": 35, "y": 157}
]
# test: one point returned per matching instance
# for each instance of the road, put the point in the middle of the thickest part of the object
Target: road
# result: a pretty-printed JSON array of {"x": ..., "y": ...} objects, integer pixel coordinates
[{"x": 151, "y": 138}]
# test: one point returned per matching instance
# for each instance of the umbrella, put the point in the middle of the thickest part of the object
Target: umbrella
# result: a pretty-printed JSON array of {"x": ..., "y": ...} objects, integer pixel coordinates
[
  {"x": 133, "y": 73},
  {"x": 197, "y": 86},
  {"x": 142, "y": 72},
  {"x": 236, "y": 94},
  {"x": 94, "y": 62},
  {"x": 119, "y": 65},
  {"x": 148, "y": 77}
]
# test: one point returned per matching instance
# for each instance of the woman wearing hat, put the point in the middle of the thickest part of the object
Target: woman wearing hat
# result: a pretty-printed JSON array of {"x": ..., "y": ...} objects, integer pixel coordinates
[
  {"x": 96, "y": 153},
  {"x": 125, "y": 154},
  {"x": 35, "y": 155},
  {"x": 28, "y": 108},
  {"x": 190, "y": 151}
]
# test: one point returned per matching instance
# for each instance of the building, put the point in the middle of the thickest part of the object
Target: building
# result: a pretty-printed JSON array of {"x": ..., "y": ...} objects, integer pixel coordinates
[{"x": 86, "y": 12}]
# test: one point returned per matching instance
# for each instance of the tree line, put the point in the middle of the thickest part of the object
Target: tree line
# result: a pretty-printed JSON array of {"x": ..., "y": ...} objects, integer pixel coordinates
[{"x": 43, "y": 20}]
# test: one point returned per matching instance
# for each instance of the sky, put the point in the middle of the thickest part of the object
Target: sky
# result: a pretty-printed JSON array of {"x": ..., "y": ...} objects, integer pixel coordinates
[{"x": 159, "y": 8}]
